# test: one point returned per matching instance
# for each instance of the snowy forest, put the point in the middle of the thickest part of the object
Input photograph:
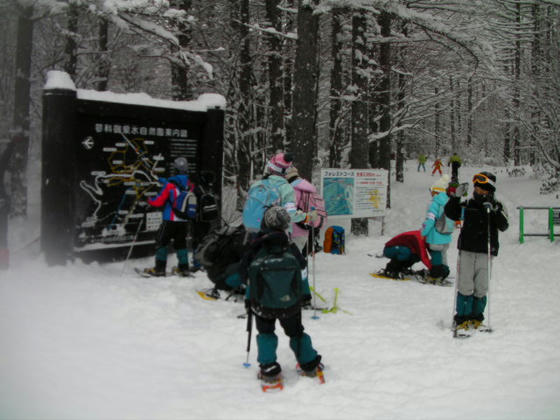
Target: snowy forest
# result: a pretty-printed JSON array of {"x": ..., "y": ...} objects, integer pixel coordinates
[{"x": 338, "y": 83}]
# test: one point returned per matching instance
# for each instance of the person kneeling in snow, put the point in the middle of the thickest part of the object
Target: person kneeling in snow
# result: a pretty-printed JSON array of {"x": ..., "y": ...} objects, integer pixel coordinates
[
  {"x": 404, "y": 250},
  {"x": 483, "y": 216}
]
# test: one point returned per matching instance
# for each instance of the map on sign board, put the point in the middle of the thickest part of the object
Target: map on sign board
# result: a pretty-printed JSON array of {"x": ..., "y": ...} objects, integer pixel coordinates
[
  {"x": 120, "y": 166},
  {"x": 354, "y": 192}
]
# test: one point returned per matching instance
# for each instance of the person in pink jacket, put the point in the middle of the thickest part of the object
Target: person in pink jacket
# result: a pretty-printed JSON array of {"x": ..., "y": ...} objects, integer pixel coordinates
[{"x": 306, "y": 203}]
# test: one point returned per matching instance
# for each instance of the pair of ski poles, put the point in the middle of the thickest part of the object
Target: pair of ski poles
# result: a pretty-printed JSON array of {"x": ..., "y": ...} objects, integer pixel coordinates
[{"x": 488, "y": 268}]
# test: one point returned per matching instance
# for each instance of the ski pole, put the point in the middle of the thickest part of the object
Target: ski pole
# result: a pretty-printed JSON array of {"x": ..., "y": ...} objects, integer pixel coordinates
[
  {"x": 249, "y": 330},
  {"x": 125, "y": 265},
  {"x": 315, "y": 316},
  {"x": 489, "y": 268}
]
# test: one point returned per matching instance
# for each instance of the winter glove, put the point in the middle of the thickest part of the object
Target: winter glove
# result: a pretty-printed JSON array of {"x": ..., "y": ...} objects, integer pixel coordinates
[
  {"x": 490, "y": 204},
  {"x": 459, "y": 190},
  {"x": 311, "y": 217}
]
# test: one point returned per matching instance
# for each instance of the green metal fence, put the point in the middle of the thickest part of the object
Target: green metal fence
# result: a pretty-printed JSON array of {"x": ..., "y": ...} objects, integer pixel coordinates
[{"x": 553, "y": 220}]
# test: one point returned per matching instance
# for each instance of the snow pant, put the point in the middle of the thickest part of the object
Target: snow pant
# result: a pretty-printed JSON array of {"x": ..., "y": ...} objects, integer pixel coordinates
[
  {"x": 438, "y": 254},
  {"x": 455, "y": 171},
  {"x": 176, "y": 232},
  {"x": 421, "y": 165},
  {"x": 472, "y": 284},
  {"x": 401, "y": 258},
  {"x": 300, "y": 342},
  {"x": 437, "y": 170}
]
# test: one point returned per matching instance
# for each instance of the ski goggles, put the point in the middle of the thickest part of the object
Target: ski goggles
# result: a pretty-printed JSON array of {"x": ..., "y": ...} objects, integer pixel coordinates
[{"x": 482, "y": 179}]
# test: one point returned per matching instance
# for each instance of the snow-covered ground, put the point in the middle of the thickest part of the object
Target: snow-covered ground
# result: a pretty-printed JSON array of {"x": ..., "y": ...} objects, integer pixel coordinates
[{"x": 84, "y": 341}]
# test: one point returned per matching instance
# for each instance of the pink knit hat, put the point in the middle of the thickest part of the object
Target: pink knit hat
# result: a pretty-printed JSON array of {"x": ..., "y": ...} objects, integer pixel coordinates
[{"x": 279, "y": 163}]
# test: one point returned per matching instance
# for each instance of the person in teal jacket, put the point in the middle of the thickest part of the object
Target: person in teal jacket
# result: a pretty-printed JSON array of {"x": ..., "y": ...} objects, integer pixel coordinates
[
  {"x": 274, "y": 178},
  {"x": 438, "y": 235}
]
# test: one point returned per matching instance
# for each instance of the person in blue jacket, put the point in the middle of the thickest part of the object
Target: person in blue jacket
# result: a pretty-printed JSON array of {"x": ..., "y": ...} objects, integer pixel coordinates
[
  {"x": 438, "y": 236},
  {"x": 172, "y": 228}
]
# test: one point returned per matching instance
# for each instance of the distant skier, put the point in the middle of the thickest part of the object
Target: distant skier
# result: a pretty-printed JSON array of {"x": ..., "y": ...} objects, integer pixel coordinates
[
  {"x": 437, "y": 166},
  {"x": 483, "y": 216},
  {"x": 422, "y": 161},
  {"x": 437, "y": 229},
  {"x": 455, "y": 163},
  {"x": 172, "y": 228}
]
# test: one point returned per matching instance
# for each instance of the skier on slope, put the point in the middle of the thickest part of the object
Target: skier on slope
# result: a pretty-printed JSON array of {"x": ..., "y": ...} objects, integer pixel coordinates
[
  {"x": 483, "y": 216},
  {"x": 438, "y": 236},
  {"x": 437, "y": 165},
  {"x": 172, "y": 227},
  {"x": 273, "y": 241}
]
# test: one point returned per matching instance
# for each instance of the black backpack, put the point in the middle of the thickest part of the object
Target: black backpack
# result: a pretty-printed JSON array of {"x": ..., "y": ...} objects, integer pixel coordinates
[
  {"x": 207, "y": 205},
  {"x": 275, "y": 284},
  {"x": 220, "y": 249}
]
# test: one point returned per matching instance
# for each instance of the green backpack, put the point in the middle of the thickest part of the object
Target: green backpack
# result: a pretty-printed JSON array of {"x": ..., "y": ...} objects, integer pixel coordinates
[{"x": 275, "y": 283}]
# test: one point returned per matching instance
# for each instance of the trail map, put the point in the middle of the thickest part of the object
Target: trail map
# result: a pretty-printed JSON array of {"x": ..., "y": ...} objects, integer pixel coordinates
[{"x": 119, "y": 165}]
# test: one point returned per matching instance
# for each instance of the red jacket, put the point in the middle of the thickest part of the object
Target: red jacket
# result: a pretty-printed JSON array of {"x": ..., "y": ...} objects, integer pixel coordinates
[{"x": 412, "y": 240}]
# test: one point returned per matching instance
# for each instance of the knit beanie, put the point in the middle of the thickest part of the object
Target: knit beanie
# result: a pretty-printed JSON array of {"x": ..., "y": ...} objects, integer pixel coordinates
[
  {"x": 181, "y": 164},
  {"x": 489, "y": 185},
  {"x": 279, "y": 164},
  {"x": 441, "y": 184}
]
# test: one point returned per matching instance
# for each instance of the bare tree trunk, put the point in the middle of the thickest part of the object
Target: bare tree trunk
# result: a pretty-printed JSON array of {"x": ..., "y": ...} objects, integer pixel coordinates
[
  {"x": 71, "y": 47},
  {"x": 507, "y": 130},
  {"x": 244, "y": 149},
  {"x": 437, "y": 121},
  {"x": 452, "y": 111},
  {"x": 276, "y": 100},
  {"x": 21, "y": 121},
  {"x": 536, "y": 59},
  {"x": 400, "y": 155},
  {"x": 516, "y": 89},
  {"x": 306, "y": 72},
  {"x": 359, "y": 151},
  {"x": 469, "y": 112},
  {"x": 384, "y": 96},
  {"x": 288, "y": 48},
  {"x": 335, "y": 121},
  {"x": 181, "y": 89},
  {"x": 104, "y": 67}
]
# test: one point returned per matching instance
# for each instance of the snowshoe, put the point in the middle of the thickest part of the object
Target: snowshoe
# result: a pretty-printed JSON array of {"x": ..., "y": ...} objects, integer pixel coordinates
[
  {"x": 209, "y": 294},
  {"x": 181, "y": 272},
  {"x": 318, "y": 372},
  {"x": 274, "y": 383},
  {"x": 150, "y": 272}
]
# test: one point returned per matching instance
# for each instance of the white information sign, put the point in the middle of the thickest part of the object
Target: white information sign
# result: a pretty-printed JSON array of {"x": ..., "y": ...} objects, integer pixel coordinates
[{"x": 354, "y": 192}]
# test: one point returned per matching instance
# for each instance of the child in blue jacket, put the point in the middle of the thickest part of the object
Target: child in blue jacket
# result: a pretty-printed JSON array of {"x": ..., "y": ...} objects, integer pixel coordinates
[
  {"x": 172, "y": 228},
  {"x": 438, "y": 235}
]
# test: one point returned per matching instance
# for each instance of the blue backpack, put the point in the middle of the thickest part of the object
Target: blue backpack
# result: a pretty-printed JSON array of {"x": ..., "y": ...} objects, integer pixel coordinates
[
  {"x": 262, "y": 195},
  {"x": 185, "y": 204},
  {"x": 334, "y": 240}
]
